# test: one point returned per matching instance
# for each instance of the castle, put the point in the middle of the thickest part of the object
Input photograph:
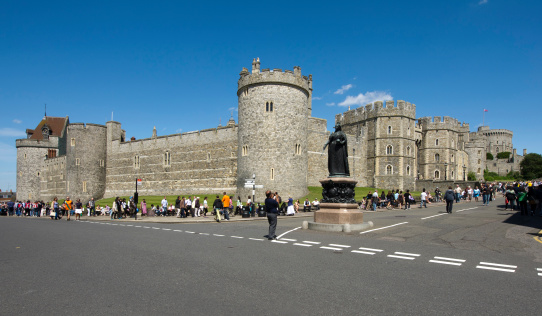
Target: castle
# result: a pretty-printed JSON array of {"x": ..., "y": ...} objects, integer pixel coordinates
[{"x": 276, "y": 142}]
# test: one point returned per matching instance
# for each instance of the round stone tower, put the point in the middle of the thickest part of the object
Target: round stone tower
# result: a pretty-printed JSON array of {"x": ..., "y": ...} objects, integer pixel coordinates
[{"x": 272, "y": 139}]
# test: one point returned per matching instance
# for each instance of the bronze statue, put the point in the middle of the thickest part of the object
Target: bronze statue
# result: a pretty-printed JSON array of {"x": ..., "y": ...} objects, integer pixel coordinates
[{"x": 337, "y": 160}]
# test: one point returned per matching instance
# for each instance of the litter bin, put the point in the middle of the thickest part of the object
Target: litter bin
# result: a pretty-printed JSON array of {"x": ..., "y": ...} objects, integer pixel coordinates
[
  {"x": 261, "y": 211},
  {"x": 246, "y": 212}
]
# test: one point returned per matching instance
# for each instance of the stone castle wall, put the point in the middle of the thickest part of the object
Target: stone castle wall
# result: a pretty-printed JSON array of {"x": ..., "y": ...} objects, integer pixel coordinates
[
  {"x": 53, "y": 180},
  {"x": 30, "y": 158},
  {"x": 199, "y": 162}
]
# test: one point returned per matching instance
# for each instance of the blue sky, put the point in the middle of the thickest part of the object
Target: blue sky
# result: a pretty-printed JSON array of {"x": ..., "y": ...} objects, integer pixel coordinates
[{"x": 175, "y": 65}]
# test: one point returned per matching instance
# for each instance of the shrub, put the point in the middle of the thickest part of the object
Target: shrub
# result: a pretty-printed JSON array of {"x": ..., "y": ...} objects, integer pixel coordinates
[
  {"x": 503, "y": 155},
  {"x": 489, "y": 156}
]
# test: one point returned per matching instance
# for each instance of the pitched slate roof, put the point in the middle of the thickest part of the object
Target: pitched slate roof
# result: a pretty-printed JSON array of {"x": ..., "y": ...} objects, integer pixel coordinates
[{"x": 57, "y": 126}]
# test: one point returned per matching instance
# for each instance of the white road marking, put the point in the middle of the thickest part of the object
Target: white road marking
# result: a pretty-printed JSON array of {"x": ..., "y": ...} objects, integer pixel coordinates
[
  {"x": 177, "y": 230},
  {"x": 371, "y": 249},
  {"x": 302, "y": 245},
  {"x": 122, "y": 225},
  {"x": 256, "y": 239},
  {"x": 363, "y": 252},
  {"x": 407, "y": 254},
  {"x": 103, "y": 223},
  {"x": 217, "y": 235},
  {"x": 278, "y": 237},
  {"x": 372, "y": 230},
  {"x": 115, "y": 224},
  {"x": 498, "y": 265},
  {"x": 540, "y": 274},
  {"x": 337, "y": 245},
  {"x": 156, "y": 228},
  {"x": 286, "y": 239},
  {"x": 188, "y": 232},
  {"x": 434, "y": 216},
  {"x": 311, "y": 242},
  {"x": 496, "y": 269},
  {"x": 466, "y": 209},
  {"x": 450, "y": 259},
  {"x": 402, "y": 257},
  {"x": 538, "y": 269},
  {"x": 166, "y": 228},
  {"x": 129, "y": 225},
  {"x": 146, "y": 227},
  {"x": 330, "y": 248},
  {"x": 279, "y": 241},
  {"x": 206, "y": 234},
  {"x": 446, "y": 262},
  {"x": 237, "y": 237},
  {"x": 137, "y": 226}
]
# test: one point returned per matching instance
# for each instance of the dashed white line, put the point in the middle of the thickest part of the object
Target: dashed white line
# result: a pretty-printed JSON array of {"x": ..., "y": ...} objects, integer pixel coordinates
[
  {"x": 217, "y": 235},
  {"x": 286, "y": 239},
  {"x": 493, "y": 266},
  {"x": 115, "y": 224},
  {"x": 239, "y": 237},
  {"x": 312, "y": 242},
  {"x": 177, "y": 230},
  {"x": 188, "y": 232},
  {"x": 466, "y": 209},
  {"x": 145, "y": 226},
  {"x": 446, "y": 262},
  {"x": 206, "y": 234},
  {"x": 407, "y": 254},
  {"x": 363, "y": 252},
  {"x": 337, "y": 245},
  {"x": 279, "y": 241},
  {"x": 434, "y": 216},
  {"x": 331, "y": 248},
  {"x": 450, "y": 259},
  {"x": 122, "y": 225},
  {"x": 166, "y": 228},
  {"x": 156, "y": 228},
  {"x": 137, "y": 226},
  {"x": 372, "y": 230},
  {"x": 370, "y": 249},
  {"x": 129, "y": 225},
  {"x": 302, "y": 245},
  {"x": 402, "y": 257},
  {"x": 260, "y": 239}
]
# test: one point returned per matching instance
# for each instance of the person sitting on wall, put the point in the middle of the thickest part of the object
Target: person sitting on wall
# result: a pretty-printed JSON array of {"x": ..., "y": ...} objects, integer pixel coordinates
[
  {"x": 316, "y": 204},
  {"x": 307, "y": 205}
]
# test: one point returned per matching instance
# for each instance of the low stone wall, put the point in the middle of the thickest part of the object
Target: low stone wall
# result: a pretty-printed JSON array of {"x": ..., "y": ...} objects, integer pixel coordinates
[{"x": 431, "y": 185}]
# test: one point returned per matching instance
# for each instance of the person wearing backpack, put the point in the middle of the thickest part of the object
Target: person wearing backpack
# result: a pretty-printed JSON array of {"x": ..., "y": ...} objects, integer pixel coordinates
[{"x": 449, "y": 196}]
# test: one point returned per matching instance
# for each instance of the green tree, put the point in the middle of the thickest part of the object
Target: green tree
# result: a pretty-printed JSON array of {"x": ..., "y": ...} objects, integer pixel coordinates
[
  {"x": 531, "y": 166},
  {"x": 503, "y": 155},
  {"x": 489, "y": 156},
  {"x": 471, "y": 176}
]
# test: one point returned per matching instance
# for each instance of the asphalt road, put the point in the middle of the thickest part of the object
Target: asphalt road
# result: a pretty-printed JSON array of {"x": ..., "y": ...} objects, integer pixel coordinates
[{"x": 481, "y": 260}]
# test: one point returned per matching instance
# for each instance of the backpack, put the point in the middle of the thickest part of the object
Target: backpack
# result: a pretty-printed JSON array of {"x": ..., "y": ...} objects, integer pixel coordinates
[{"x": 449, "y": 195}]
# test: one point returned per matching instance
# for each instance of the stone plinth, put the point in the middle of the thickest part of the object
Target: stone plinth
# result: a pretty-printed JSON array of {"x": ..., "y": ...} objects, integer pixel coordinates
[{"x": 338, "y": 210}]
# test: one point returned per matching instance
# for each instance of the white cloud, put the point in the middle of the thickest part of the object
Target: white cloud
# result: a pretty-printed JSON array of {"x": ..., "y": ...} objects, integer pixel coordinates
[
  {"x": 11, "y": 132},
  {"x": 330, "y": 104},
  {"x": 368, "y": 97},
  {"x": 317, "y": 98},
  {"x": 234, "y": 109},
  {"x": 483, "y": 2},
  {"x": 179, "y": 130},
  {"x": 16, "y": 121},
  {"x": 343, "y": 89}
]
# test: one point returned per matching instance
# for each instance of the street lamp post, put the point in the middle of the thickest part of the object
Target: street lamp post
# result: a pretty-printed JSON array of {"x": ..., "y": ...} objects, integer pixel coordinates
[
  {"x": 464, "y": 172},
  {"x": 253, "y": 186}
]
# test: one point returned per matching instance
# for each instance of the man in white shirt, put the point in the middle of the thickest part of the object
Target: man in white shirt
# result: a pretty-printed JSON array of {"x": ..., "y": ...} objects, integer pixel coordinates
[
  {"x": 316, "y": 204},
  {"x": 164, "y": 205},
  {"x": 423, "y": 200}
]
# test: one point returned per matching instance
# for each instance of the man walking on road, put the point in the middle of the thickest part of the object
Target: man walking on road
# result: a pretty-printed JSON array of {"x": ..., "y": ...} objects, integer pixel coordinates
[
  {"x": 423, "y": 201},
  {"x": 449, "y": 196},
  {"x": 271, "y": 206},
  {"x": 226, "y": 205}
]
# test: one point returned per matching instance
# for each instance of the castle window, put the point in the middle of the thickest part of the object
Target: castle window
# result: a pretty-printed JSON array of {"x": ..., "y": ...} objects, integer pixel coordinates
[
  {"x": 452, "y": 174},
  {"x": 478, "y": 170},
  {"x": 38, "y": 173},
  {"x": 73, "y": 142},
  {"x": 479, "y": 152},
  {"x": 408, "y": 131},
  {"x": 269, "y": 107},
  {"x": 389, "y": 169},
  {"x": 232, "y": 154},
  {"x": 167, "y": 159},
  {"x": 20, "y": 173},
  {"x": 452, "y": 159},
  {"x": 77, "y": 161},
  {"x": 436, "y": 142},
  {"x": 437, "y": 157},
  {"x": 479, "y": 161},
  {"x": 408, "y": 170},
  {"x": 389, "y": 150},
  {"x": 137, "y": 163},
  {"x": 297, "y": 149},
  {"x": 497, "y": 149},
  {"x": 389, "y": 129},
  {"x": 453, "y": 143},
  {"x": 84, "y": 186},
  {"x": 244, "y": 151},
  {"x": 272, "y": 173},
  {"x": 408, "y": 150},
  {"x": 102, "y": 163},
  {"x": 437, "y": 174},
  {"x": 208, "y": 156},
  {"x": 245, "y": 92}
]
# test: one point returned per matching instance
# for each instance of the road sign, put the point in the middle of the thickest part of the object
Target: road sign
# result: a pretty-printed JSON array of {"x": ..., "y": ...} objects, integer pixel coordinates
[
  {"x": 258, "y": 186},
  {"x": 250, "y": 182},
  {"x": 139, "y": 182}
]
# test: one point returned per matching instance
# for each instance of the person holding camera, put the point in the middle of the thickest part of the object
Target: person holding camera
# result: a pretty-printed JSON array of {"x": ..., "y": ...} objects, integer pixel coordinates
[{"x": 272, "y": 208}]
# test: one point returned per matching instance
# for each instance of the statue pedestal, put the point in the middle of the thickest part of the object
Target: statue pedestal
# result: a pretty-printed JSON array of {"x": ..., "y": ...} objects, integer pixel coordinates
[{"x": 338, "y": 210}]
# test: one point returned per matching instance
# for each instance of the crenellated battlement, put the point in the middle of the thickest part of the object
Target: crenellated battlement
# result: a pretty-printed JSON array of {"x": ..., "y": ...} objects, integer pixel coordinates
[
  {"x": 52, "y": 142},
  {"x": 277, "y": 76},
  {"x": 442, "y": 123},
  {"x": 377, "y": 109},
  {"x": 85, "y": 126}
]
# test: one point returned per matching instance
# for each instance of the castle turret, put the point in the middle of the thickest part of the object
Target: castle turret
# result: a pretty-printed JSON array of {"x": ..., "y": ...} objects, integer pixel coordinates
[{"x": 272, "y": 138}]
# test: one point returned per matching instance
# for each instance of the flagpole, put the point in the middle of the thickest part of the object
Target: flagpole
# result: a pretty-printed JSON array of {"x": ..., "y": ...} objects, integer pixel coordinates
[{"x": 484, "y": 118}]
